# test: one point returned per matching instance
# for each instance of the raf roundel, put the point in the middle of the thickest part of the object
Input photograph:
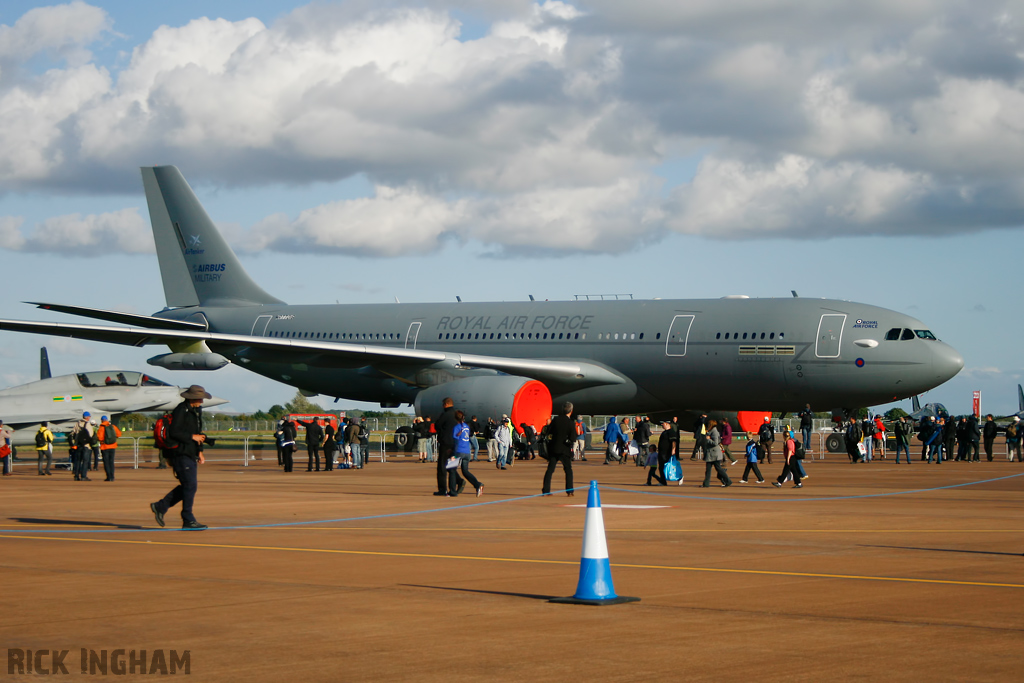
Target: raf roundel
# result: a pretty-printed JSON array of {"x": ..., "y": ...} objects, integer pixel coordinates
[{"x": 859, "y": 362}]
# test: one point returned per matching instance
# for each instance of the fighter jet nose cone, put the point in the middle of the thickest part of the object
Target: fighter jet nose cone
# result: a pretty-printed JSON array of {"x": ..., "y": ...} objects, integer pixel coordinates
[{"x": 215, "y": 401}]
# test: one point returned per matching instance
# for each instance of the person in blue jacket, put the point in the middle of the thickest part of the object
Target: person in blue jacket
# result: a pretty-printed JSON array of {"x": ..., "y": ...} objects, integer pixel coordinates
[
  {"x": 461, "y": 434},
  {"x": 751, "y": 461},
  {"x": 612, "y": 434}
]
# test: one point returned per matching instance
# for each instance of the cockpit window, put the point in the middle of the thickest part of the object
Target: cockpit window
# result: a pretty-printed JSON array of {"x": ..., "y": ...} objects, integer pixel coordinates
[
  {"x": 907, "y": 334},
  {"x": 110, "y": 378},
  {"x": 893, "y": 334},
  {"x": 148, "y": 381},
  {"x": 924, "y": 334}
]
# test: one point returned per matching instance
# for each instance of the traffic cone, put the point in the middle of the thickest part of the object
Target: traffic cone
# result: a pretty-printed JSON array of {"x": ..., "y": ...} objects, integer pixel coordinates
[{"x": 595, "y": 584}]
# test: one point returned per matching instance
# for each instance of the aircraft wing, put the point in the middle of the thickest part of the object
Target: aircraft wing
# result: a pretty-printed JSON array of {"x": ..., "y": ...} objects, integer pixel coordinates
[{"x": 566, "y": 374}]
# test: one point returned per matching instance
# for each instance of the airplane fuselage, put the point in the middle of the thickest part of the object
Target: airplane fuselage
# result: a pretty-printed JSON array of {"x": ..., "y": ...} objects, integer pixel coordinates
[{"x": 716, "y": 354}]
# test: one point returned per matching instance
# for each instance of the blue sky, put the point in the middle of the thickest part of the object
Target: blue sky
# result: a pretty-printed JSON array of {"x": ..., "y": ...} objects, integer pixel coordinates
[{"x": 431, "y": 150}]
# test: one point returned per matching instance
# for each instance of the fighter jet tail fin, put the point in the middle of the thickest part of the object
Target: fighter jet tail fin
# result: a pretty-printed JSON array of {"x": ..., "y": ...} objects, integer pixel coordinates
[
  {"x": 1020, "y": 398},
  {"x": 915, "y": 404},
  {"x": 197, "y": 266},
  {"x": 44, "y": 364}
]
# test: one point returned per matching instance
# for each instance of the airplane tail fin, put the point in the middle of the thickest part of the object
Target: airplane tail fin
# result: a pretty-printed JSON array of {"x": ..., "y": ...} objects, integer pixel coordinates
[
  {"x": 44, "y": 364},
  {"x": 1020, "y": 398},
  {"x": 915, "y": 404},
  {"x": 197, "y": 266}
]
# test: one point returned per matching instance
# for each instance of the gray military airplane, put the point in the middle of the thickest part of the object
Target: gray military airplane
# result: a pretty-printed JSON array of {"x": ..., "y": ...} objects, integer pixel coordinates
[
  {"x": 61, "y": 400},
  {"x": 607, "y": 357}
]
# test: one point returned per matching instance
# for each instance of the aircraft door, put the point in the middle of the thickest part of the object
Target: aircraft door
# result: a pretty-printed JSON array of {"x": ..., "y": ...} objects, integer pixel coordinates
[
  {"x": 259, "y": 328},
  {"x": 412, "y": 335},
  {"x": 678, "y": 333},
  {"x": 830, "y": 335}
]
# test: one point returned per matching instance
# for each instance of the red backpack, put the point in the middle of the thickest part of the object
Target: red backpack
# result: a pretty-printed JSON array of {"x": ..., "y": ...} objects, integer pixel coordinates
[{"x": 160, "y": 433}]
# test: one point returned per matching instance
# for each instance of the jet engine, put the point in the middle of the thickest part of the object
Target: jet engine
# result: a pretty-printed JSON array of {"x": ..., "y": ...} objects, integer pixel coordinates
[
  {"x": 189, "y": 361},
  {"x": 523, "y": 400}
]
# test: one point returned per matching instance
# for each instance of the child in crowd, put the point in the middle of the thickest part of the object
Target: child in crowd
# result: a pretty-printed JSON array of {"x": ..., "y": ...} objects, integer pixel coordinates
[{"x": 752, "y": 455}]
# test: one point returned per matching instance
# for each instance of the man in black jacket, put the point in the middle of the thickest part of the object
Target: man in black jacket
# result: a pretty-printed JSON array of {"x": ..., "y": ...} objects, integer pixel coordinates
[
  {"x": 642, "y": 436},
  {"x": 665, "y": 449},
  {"x": 445, "y": 448},
  {"x": 314, "y": 437},
  {"x": 853, "y": 435},
  {"x": 561, "y": 437},
  {"x": 973, "y": 439},
  {"x": 989, "y": 435},
  {"x": 902, "y": 430},
  {"x": 186, "y": 435}
]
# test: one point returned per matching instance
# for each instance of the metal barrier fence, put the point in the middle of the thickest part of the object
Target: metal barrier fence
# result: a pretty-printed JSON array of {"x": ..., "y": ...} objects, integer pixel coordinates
[{"x": 246, "y": 448}]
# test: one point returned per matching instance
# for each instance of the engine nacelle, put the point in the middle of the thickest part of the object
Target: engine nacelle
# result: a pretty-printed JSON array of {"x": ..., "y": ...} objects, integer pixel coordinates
[
  {"x": 522, "y": 399},
  {"x": 189, "y": 361}
]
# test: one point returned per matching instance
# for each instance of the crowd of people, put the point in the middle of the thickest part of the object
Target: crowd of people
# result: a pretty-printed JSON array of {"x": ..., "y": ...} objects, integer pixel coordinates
[
  {"x": 453, "y": 442},
  {"x": 90, "y": 445},
  {"x": 346, "y": 446}
]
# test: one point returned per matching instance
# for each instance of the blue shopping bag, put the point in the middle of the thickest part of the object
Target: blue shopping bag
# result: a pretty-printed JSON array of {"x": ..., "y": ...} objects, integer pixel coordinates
[{"x": 673, "y": 471}]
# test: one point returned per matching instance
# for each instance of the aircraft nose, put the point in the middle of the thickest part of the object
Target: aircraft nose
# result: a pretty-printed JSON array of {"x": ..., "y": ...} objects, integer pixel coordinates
[
  {"x": 217, "y": 401},
  {"x": 948, "y": 361}
]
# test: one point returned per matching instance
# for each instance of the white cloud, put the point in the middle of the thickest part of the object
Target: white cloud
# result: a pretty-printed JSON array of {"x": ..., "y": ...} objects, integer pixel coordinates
[
  {"x": 794, "y": 197},
  {"x": 73, "y": 235},
  {"x": 61, "y": 29},
  {"x": 393, "y": 222},
  {"x": 406, "y": 220},
  {"x": 821, "y": 119}
]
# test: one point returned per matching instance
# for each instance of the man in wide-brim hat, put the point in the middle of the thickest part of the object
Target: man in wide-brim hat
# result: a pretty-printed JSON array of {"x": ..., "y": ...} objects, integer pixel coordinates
[{"x": 185, "y": 440}]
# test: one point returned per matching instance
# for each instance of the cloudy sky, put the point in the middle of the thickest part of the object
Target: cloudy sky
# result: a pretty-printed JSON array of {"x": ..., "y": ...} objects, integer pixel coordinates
[{"x": 358, "y": 152}]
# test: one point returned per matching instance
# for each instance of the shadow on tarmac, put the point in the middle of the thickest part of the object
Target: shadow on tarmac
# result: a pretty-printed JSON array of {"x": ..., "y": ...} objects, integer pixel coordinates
[
  {"x": 531, "y": 596},
  {"x": 74, "y": 522}
]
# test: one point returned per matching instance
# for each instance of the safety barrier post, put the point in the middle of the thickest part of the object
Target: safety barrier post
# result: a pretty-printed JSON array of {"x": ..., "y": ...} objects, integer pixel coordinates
[
  {"x": 245, "y": 451},
  {"x": 135, "y": 444},
  {"x": 383, "y": 449}
]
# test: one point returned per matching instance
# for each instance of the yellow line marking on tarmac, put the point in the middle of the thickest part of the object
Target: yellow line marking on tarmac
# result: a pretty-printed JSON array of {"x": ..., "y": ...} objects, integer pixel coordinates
[{"x": 521, "y": 560}]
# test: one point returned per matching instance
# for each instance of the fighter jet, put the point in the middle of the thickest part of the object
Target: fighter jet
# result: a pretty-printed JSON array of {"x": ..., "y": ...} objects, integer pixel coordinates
[
  {"x": 516, "y": 358},
  {"x": 62, "y": 400},
  {"x": 1020, "y": 404},
  {"x": 932, "y": 410}
]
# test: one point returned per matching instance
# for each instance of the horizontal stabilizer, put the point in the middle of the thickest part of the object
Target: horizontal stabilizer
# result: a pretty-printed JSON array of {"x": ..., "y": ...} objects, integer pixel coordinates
[{"x": 118, "y": 317}]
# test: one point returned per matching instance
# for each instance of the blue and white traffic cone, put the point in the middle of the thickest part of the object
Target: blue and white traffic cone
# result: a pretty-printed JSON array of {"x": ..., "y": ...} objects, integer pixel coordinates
[{"x": 595, "y": 584}]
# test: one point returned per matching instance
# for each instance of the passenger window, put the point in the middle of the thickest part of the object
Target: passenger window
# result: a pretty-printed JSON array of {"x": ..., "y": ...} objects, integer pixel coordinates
[
  {"x": 641, "y": 335},
  {"x": 719, "y": 336},
  {"x": 744, "y": 335},
  {"x": 771, "y": 336}
]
